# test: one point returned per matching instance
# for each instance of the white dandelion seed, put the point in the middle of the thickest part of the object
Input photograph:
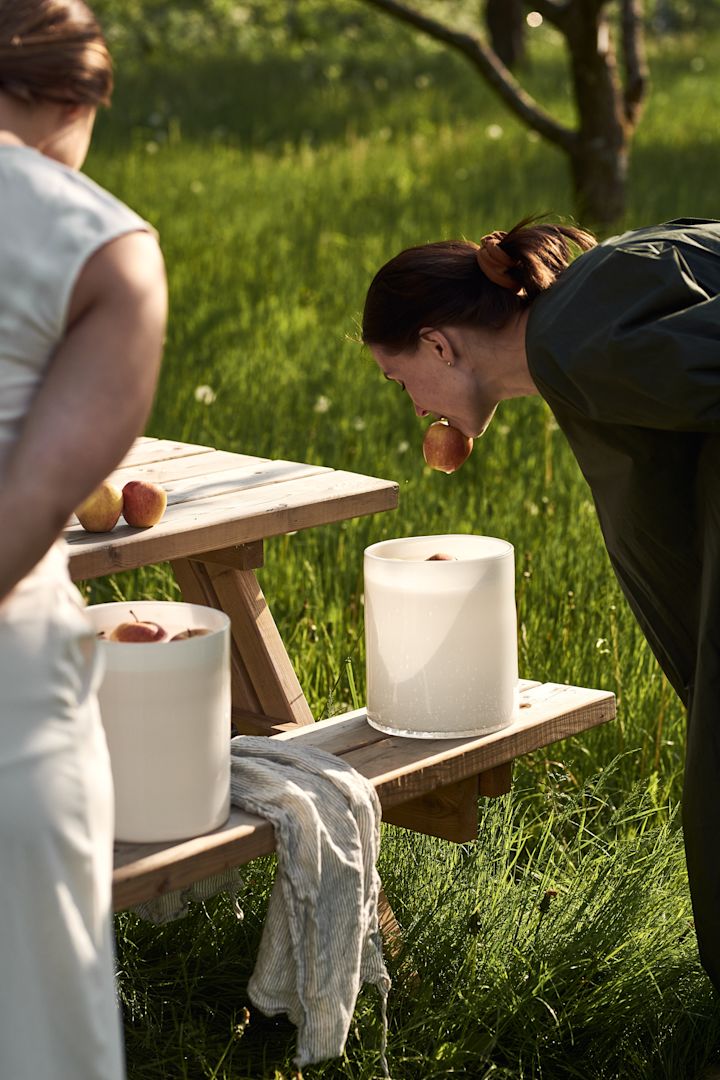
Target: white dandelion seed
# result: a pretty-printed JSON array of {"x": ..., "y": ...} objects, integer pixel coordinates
[
  {"x": 322, "y": 404},
  {"x": 403, "y": 447},
  {"x": 494, "y": 131},
  {"x": 359, "y": 423},
  {"x": 205, "y": 394}
]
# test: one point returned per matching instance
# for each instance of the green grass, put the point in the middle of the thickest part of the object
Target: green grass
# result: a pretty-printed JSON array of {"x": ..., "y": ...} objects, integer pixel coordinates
[{"x": 280, "y": 173}]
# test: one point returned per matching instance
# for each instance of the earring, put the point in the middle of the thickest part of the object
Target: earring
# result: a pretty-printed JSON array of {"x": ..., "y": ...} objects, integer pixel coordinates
[{"x": 449, "y": 363}]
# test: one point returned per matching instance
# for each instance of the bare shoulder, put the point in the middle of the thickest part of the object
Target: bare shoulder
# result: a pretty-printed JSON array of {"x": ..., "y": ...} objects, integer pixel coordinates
[{"x": 128, "y": 270}]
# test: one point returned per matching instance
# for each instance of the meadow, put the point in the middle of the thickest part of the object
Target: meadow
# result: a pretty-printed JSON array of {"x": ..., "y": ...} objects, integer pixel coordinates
[{"x": 281, "y": 167}]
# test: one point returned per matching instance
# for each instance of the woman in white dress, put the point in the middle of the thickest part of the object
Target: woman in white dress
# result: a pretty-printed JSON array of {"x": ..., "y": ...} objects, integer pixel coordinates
[{"x": 82, "y": 320}]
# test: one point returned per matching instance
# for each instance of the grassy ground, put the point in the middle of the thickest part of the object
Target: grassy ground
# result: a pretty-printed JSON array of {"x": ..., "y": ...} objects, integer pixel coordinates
[{"x": 280, "y": 173}]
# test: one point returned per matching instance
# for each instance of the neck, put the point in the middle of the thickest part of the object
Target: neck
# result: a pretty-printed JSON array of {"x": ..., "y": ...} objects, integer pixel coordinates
[{"x": 499, "y": 360}]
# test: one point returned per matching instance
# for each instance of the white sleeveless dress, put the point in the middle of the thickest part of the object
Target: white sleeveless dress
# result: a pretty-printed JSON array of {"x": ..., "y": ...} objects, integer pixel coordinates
[{"x": 59, "y": 1018}]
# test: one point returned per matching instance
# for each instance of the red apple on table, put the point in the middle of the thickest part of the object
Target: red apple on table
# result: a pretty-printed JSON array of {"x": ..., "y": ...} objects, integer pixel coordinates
[
  {"x": 143, "y": 503},
  {"x": 101, "y": 510},
  {"x": 444, "y": 447}
]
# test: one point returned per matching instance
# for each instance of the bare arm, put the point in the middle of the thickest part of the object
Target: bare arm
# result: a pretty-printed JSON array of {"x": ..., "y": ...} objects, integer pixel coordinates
[{"x": 92, "y": 403}]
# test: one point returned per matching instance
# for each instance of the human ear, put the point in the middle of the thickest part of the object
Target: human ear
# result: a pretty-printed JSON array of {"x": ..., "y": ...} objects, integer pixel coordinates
[{"x": 440, "y": 345}]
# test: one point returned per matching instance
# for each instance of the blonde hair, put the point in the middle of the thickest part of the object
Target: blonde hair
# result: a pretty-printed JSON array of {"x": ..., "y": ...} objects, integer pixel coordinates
[{"x": 53, "y": 50}]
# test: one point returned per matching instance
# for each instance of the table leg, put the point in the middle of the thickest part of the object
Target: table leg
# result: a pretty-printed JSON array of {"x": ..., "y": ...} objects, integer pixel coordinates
[{"x": 267, "y": 696}]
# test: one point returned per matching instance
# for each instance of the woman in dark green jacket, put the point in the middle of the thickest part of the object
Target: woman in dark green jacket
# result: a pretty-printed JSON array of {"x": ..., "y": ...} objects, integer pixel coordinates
[{"x": 624, "y": 345}]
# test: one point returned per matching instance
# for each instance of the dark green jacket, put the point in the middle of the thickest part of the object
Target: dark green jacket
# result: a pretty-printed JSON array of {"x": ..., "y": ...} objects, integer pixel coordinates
[{"x": 625, "y": 348}]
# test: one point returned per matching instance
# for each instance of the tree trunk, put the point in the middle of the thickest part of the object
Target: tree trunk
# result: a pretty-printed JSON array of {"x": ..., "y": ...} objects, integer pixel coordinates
[
  {"x": 598, "y": 148},
  {"x": 599, "y": 158},
  {"x": 505, "y": 24}
]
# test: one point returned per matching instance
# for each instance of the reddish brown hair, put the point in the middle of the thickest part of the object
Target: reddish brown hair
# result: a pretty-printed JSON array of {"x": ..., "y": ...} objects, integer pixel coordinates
[
  {"x": 53, "y": 50},
  {"x": 441, "y": 284}
]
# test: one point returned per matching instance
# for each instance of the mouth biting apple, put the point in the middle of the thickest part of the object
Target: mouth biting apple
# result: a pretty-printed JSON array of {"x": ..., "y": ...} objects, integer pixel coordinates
[{"x": 445, "y": 448}]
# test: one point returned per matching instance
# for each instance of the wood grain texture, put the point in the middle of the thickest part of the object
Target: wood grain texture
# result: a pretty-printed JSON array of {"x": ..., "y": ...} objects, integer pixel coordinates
[
  {"x": 405, "y": 768},
  {"x": 179, "y": 468},
  {"x": 143, "y": 871},
  {"x": 240, "y": 557},
  {"x": 400, "y": 769},
  {"x": 197, "y": 588},
  {"x": 449, "y": 812},
  {"x": 226, "y": 520},
  {"x": 144, "y": 451},
  {"x": 258, "y": 642},
  {"x": 496, "y": 781}
]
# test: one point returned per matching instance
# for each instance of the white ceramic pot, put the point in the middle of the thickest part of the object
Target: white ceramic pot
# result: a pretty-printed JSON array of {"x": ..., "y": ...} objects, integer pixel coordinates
[
  {"x": 166, "y": 712},
  {"x": 441, "y": 636}
]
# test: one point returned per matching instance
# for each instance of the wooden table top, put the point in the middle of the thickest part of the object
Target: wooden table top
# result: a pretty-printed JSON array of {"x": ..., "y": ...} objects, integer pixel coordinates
[{"x": 219, "y": 500}]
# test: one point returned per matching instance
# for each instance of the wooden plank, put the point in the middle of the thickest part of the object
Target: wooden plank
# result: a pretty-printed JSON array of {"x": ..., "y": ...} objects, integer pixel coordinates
[
  {"x": 553, "y": 711},
  {"x": 143, "y": 871},
  {"x": 239, "y": 557},
  {"x": 191, "y": 528},
  {"x": 247, "y": 722},
  {"x": 389, "y": 926},
  {"x": 144, "y": 451},
  {"x": 496, "y": 781},
  {"x": 404, "y": 768},
  {"x": 197, "y": 588},
  {"x": 450, "y": 812},
  {"x": 212, "y": 485},
  {"x": 175, "y": 468},
  {"x": 258, "y": 642},
  {"x": 207, "y": 484}
]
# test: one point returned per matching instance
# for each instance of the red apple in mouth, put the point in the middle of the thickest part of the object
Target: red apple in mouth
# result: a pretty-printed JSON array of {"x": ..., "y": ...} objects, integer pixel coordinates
[{"x": 445, "y": 448}]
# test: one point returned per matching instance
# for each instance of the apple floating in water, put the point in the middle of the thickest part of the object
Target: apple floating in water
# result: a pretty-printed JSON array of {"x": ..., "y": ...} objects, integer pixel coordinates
[
  {"x": 101, "y": 510},
  {"x": 441, "y": 557},
  {"x": 138, "y": 631},
  {"x": 194, "y": 631},
  {"x": 444, "y": 447},
  {"x": 143, "y": 503}
]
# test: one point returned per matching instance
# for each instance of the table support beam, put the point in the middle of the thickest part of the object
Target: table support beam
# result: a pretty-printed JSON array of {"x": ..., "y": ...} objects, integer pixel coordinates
[
  {"x": 449, "y": 812},
  {"x": 263, "y": 680}
]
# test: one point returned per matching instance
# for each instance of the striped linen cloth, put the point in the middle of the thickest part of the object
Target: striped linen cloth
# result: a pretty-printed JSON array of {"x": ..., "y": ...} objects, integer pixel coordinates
[{"x": 321, "y": 940}]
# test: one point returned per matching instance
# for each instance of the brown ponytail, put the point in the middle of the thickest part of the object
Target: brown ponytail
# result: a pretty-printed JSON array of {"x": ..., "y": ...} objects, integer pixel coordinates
[
  {"x": 53, "y": 50},
  {"x": 443, "y": 284}
]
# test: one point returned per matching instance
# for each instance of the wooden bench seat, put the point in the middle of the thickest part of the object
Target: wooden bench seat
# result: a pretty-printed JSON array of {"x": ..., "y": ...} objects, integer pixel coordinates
[{"x": 431, "y": 786}]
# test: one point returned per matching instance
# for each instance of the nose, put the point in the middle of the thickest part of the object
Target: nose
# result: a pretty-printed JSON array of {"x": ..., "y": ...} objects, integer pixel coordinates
[{"x": 421, "y": 412}]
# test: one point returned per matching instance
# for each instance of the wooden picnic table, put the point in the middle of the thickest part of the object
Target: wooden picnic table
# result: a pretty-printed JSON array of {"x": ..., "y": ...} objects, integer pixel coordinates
[{"x": 221, "y": 507}]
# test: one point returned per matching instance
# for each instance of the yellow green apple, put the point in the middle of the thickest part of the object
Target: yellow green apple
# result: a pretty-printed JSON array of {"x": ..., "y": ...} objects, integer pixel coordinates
[{"x": 101, "y": 510}]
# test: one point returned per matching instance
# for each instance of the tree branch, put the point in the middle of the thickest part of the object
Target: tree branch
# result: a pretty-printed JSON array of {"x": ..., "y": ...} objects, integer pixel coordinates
[
  {"x": 491, "y": 68},
  {"x": 633, "y": 50},
  {"x": 553, "y": 10}
]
